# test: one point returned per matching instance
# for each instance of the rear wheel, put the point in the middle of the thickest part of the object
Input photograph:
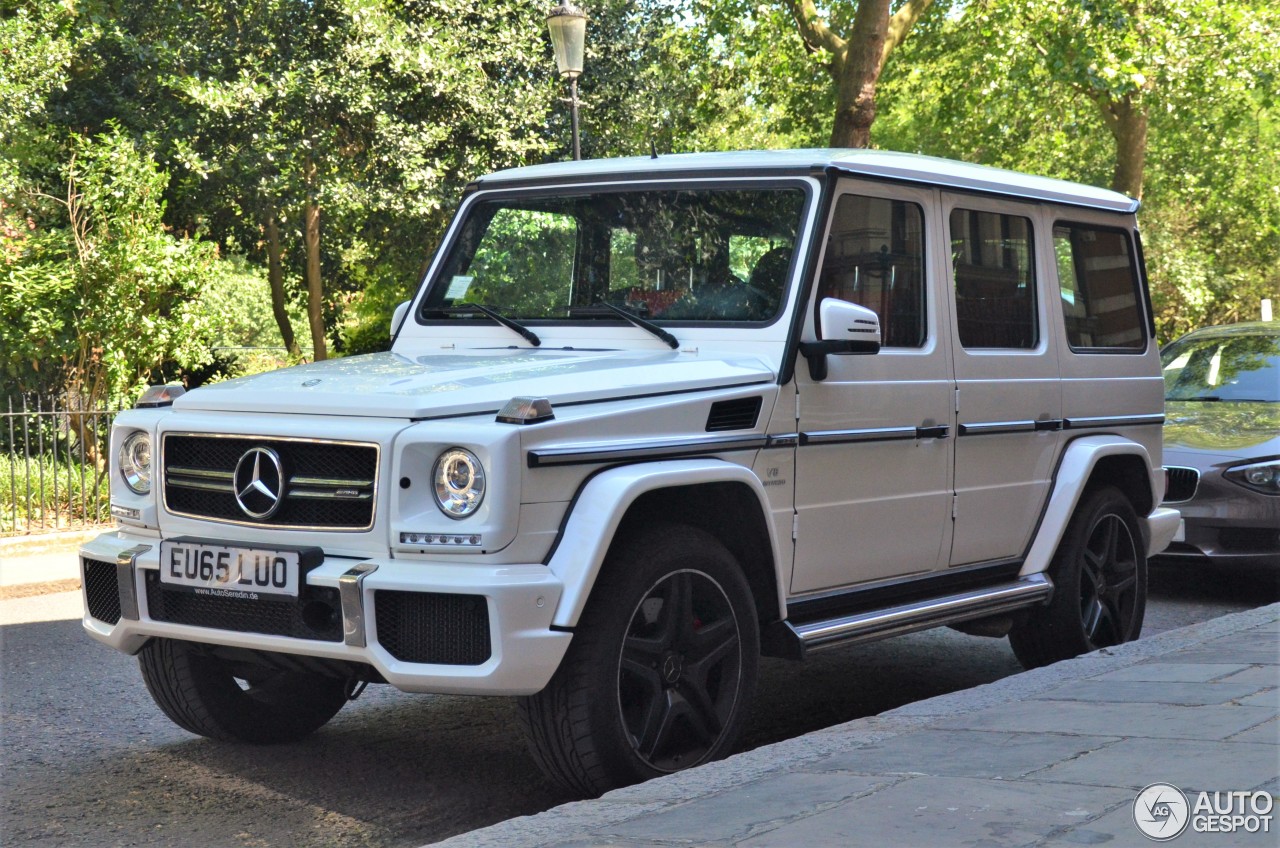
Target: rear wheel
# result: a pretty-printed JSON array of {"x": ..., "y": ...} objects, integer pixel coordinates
[
  {"x": 257, "y": 704},
  {"x": 1100, "y": 585},
  {"x": 661, "y": 669}
]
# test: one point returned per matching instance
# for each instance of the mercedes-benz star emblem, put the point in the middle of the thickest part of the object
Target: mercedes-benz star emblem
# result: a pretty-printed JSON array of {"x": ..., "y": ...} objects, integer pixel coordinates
[{"x": 259, "y": 483}]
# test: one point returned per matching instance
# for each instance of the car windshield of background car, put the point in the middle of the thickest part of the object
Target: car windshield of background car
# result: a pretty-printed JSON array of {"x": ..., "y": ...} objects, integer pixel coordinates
[
  {"x": 690, "y": 255},
  {"x": 1224, "y": 368}
]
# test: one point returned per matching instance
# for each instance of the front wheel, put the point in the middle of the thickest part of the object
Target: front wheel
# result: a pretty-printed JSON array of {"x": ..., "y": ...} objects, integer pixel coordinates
[
  {"x": 210, "y": 697},
  {"x": 1100, "y": 585},
  {"x": 661, "y": 670}
]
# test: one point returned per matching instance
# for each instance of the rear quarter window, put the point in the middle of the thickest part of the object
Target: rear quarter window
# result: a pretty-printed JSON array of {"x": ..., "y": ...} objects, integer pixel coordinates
[{"x": 1098, "y": 279}]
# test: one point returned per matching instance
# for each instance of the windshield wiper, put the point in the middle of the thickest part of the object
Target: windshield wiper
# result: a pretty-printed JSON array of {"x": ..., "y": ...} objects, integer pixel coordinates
[
  {"x": 603, "y": 308},
  {"x": 523, "y": 331}
]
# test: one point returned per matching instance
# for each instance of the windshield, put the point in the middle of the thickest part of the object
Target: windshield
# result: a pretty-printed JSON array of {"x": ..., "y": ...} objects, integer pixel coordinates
[
  {"x": 1226, "y": 368},
  {"x": 696, "y": 255}
]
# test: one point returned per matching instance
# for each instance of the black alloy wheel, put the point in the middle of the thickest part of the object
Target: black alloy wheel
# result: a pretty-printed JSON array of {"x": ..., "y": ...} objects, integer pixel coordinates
[
  {"x": 1109, "y": 582},
  {"x": 661, "y": 670},
  {"x": 679, "y": 671},
  {"x": 1099, "y": 575}
]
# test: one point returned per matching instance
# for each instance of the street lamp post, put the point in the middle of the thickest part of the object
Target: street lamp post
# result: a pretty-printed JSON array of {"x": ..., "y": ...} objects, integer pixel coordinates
[{"x": 568, "y": 26}]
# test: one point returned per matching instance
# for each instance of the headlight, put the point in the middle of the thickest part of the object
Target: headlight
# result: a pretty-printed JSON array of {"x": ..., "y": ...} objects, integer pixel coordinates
[
  {"x": 459, "y": 479},
  {"x": 1261, "y": 476},
  {"x": 135, "y": 462}
]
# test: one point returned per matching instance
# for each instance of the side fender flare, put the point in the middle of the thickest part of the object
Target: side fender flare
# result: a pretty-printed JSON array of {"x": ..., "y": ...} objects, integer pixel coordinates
[
  {"x": 604, "y": 500},
  {"x": 1078, "y": 462}
]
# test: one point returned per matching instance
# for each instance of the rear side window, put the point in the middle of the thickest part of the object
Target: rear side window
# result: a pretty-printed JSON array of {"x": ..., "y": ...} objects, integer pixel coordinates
[
  {"x": 1099, "y": 282},
  {"x": 875, "y": 258},
  {"x": 992, "y": 259}
]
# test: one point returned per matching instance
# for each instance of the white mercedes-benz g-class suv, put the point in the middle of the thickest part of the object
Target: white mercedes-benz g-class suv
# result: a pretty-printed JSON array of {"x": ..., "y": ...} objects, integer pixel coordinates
[{"x": 644, "y": 421}]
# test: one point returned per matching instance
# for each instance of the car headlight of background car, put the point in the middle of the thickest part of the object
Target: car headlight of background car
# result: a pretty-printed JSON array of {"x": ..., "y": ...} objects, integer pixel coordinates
[{"x": 1260, "y": 476}]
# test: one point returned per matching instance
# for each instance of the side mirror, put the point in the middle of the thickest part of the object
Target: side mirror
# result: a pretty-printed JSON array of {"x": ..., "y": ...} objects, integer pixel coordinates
[
  {"x": 846, "y": 328},
  {"x": 397, "y": 317}
]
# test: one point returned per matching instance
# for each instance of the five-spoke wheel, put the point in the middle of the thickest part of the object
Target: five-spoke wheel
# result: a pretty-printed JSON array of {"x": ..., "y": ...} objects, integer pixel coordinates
[
  {"x": 1100, "y": 585},
  {"x": 661, "y": 669}
]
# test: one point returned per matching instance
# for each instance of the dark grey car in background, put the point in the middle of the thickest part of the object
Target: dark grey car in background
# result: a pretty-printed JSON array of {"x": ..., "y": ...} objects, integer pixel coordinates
[{"x": 1222, "y": 443}]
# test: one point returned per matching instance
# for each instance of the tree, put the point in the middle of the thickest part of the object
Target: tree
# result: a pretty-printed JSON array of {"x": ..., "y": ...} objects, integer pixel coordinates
[
  {"x": 856, "y": 59},
  {"x": 98, "y": 297},
  {"x": 981, "y": 88}
]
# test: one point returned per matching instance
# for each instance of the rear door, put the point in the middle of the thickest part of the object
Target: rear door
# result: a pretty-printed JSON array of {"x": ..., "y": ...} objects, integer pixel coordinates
[{"x": 1008, "y": 398}]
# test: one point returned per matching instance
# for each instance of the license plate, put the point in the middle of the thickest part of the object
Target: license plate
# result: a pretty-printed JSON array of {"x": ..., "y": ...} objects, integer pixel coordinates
[
  {"x": 228, "y": 571},
  {"x": 1181, "y": 534}
]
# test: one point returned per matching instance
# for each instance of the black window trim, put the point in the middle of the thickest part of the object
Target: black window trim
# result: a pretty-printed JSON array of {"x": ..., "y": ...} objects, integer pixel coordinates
[
  {"x": 655, "y": 183},
  {"x": 1142, "y": 293},
  {"x": 1039, "y": 334}
]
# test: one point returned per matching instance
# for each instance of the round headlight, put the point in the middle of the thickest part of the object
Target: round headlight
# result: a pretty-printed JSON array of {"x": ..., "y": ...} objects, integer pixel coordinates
[
  {"x": 135, "y": 462},
  {"x": 459, "y": 479}
]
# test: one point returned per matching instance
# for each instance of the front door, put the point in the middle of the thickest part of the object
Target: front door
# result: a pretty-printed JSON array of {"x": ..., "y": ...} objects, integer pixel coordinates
[{"x": 873, "y": 468}]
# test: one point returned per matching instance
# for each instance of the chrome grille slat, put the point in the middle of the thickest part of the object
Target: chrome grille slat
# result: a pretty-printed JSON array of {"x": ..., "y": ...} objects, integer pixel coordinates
[
  {"x": 200, "y": 484},
  {"x": 304, "y": 493},
  {"x": 330, "y": 482}
]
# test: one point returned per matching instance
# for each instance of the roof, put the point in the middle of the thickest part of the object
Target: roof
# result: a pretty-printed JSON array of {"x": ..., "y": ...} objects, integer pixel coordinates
[{"x": 881, "y": 164}]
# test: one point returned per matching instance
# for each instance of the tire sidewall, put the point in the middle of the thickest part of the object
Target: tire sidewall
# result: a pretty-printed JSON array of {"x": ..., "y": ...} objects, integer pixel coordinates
[
  {"x": 1068, "y": 573},
  {"x": 643, "y": 564}
]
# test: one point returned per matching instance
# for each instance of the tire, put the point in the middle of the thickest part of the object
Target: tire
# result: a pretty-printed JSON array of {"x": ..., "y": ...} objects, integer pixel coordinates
[
  {"x": 1099, "y": 575},
  {"x": 661, "y": 671},
  {"x": 202, "y": 694}
]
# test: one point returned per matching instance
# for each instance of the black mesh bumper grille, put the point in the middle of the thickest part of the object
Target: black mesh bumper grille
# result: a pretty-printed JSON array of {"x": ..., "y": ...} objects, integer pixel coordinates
[
  {"x": 315, "y": 614},
  {"x": 430, "y": 627},
  {"x": 1182, "y": 483},
  {"x": 329, "y": 485},
  {"x": 101, "y": 592}
]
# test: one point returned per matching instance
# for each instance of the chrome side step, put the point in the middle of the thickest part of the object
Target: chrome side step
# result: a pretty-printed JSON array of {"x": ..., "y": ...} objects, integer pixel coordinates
[{"x": 922, "y": 615}]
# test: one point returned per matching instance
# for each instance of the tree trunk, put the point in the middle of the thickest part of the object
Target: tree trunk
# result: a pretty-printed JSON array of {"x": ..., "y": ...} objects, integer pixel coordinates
[
  {"x": 1128, "y": 124},
  {"x": 857, "y": 73},
  {"x": 315, "y": 288},
  {"x": 275, "y": 275}
]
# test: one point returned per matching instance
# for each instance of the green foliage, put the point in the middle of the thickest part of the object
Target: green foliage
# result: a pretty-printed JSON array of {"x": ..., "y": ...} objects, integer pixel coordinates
[
  {"x": 1023, "y": 86},
  {"x": 97, "y": 296},
  {"x": 50, "y": 492}
]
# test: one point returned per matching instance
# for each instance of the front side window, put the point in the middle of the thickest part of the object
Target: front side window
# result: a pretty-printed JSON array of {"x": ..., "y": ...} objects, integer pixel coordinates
[
  {"x": 700, "y": 255},
  {"x": 992, "y": 260},
  {"x": 875, "y": 258},
  {"x": 1099, "y": 283}
]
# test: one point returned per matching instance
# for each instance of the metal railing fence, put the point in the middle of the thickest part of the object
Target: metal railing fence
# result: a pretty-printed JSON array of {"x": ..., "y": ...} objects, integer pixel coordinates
[{"x": 53, "y": 464}]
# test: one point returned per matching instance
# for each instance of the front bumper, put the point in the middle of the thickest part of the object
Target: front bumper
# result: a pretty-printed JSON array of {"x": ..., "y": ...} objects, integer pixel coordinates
[{"x": 516, "y": 602}]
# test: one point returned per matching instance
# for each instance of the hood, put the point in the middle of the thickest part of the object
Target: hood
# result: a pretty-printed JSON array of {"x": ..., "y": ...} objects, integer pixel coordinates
[
  {"x": 390, "y": 385},
  {"x": 1222, "y": 428}
]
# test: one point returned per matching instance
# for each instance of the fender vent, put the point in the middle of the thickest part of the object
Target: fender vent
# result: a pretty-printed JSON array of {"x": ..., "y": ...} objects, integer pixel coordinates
[{"x": 738, "y": 414}]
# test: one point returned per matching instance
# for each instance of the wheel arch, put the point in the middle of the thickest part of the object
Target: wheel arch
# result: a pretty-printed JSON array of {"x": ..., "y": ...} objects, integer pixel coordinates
[
  {"x": 721, "y": 498},
  {"x": 1091, "y": 462}
]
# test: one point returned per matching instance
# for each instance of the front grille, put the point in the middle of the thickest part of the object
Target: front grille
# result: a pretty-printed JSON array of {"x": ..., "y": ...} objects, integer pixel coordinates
[
  {"x": 315, "y": 614},
  {"x": 101, "y": 591},
  {"x": 430, "y": 627},
  {"x": 1182, "y": 483},
  {"x": 328, "y": 485}
]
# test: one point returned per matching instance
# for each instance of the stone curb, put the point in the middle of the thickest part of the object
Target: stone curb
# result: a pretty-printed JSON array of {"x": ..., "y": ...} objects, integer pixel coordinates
[{"x": 577, "y": 820}]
